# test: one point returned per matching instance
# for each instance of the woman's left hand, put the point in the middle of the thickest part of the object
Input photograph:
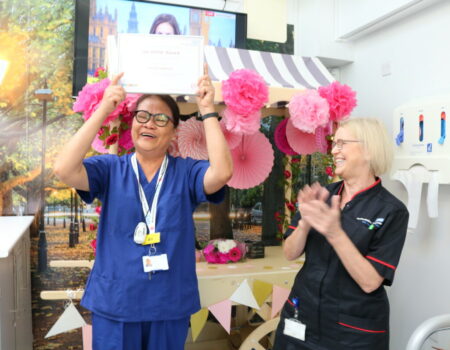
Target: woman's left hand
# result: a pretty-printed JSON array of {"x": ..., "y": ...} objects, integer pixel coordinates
[
  {"x": 205, "y": 93},
  {"x": 324, "y": 218}
]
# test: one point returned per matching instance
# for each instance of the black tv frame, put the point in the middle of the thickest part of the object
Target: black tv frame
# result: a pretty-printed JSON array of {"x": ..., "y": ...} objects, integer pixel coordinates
[{"x": 81, "y": 42}]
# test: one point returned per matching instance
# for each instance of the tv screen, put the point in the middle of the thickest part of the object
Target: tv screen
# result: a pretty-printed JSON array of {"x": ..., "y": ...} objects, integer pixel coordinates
[{"x": 96, "y": 19}]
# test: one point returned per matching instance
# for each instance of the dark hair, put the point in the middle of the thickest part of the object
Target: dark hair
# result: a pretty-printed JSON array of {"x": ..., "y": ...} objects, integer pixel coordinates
[
  {"x": 165, "y": 18},
  {"x": 169, "y": 101}
]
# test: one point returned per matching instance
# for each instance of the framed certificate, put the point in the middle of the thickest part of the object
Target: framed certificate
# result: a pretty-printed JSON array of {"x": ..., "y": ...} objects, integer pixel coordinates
[{"x": 160, "y": 64}]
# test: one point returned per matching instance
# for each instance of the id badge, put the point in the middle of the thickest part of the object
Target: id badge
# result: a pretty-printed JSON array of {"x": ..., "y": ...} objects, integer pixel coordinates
[
  {"x": 294, "y": 328},
  {"x": 155, "y": 262}
]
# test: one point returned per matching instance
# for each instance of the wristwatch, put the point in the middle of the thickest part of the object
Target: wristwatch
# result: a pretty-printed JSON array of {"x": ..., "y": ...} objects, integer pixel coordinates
[{"x": 210, "y": 115}]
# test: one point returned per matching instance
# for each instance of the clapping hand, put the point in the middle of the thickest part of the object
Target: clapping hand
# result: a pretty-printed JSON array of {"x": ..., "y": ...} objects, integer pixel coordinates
[{"x": 316, "y": 212}]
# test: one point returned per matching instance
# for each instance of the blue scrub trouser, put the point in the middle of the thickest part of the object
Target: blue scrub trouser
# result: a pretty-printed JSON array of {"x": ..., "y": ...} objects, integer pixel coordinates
[{"x": 154, "y": 335}]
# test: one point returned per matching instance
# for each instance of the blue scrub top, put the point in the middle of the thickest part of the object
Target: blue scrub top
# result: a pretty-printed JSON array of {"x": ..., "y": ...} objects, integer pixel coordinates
[{"x": 118, "y": 288}]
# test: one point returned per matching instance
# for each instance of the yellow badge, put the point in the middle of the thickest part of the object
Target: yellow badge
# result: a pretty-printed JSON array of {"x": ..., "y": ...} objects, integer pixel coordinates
[{"x": 152, "y": 238}]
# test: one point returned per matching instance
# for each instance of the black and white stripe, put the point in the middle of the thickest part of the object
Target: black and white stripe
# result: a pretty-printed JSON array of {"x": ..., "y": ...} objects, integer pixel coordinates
[{"x": 278, "y": 70}]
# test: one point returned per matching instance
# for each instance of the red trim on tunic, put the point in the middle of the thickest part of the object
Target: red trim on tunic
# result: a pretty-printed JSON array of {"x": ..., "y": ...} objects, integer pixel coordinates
[
  {"x": 360, "y": 329},
  {"x": 367, "y": 188},
  {"x": 381, "y": 262},
  {"x": 292, "y": 227}
]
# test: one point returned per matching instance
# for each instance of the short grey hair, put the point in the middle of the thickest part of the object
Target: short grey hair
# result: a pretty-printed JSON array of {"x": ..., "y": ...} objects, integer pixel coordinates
[{"x": 376, "y": 141}]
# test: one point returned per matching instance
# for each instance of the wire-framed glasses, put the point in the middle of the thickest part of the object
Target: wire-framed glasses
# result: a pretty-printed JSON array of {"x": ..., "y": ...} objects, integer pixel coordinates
[
  {"x": 339, "y": 143},
  {"x": 160, "y": 119}
]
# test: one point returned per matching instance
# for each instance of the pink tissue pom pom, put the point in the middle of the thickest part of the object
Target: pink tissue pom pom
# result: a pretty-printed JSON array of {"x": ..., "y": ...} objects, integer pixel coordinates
[
  {"x": 242, "y": 124},
  {"x": 125, "y": 140},
  {"x": 308, "y": 111},
  {"x": 244, "y": 92},
  {"x": 341, "y": 98}
]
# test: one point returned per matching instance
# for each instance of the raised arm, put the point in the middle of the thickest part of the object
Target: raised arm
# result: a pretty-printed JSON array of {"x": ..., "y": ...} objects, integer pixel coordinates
[
  {"x": 69, "y": 166},
  {"x": 221, "y": 165}
]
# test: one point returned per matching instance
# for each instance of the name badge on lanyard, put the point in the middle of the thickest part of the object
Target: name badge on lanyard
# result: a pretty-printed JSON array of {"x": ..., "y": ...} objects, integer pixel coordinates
[
  {"x": 292, "y": 326},
  {"x": 144, "y": 233}
]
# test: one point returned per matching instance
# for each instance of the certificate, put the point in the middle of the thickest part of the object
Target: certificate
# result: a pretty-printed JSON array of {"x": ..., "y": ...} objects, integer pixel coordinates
[{"x": 159, "y": 64}]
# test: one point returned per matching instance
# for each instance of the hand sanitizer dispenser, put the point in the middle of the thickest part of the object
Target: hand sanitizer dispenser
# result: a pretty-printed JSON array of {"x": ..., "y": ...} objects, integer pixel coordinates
[{"x": 422, "y": 152}]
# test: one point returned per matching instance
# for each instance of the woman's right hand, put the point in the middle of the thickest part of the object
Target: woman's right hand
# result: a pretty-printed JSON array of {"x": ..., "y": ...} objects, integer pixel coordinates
[
  {"x": 114, "y": 94},
  {"x": 310, "y": 193}
]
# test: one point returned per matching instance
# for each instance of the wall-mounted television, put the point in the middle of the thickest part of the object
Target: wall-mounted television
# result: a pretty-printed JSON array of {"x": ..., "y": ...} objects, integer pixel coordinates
[{"x": 96, "y": 19}]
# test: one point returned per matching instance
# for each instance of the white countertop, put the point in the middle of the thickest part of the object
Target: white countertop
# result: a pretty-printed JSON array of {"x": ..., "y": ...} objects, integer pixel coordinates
[{"x": 11, "y": 230}]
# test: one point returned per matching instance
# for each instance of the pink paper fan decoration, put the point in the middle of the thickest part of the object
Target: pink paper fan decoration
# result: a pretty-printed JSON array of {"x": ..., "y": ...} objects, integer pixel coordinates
[
  {"x": 301, "y": 142},
  {"x": 191, "y": 140},
  {"x": 252, "y": 160},
  {"x": 245, "y": 92},
  {"x": 232, "y": 138},
  {"x": 242, "y": 124},
  {"x": 280, "y": 139},
  {"x": 308, "y": 111},
  {"x": 341, "y": 99},
  {"x": 173, "y": 149}
]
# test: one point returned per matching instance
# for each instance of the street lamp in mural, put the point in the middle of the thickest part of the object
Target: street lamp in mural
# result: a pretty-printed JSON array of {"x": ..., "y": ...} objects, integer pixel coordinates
[{"x": 44, "y": 95}]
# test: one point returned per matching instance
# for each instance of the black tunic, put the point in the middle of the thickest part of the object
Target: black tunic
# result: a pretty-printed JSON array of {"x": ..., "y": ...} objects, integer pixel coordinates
[{"x": 337, "y": 313}]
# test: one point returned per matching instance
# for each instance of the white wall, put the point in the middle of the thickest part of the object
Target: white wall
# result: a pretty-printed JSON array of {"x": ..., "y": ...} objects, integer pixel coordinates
[{"x": 417, "y": 49}]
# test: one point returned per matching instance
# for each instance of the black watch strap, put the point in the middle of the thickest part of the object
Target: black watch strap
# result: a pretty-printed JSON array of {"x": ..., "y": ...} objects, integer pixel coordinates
[{"x": 210, "y": 115}]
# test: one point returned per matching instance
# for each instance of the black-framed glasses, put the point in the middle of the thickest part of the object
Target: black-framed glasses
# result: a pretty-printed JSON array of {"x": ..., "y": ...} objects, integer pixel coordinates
[
  {"x": 160, "y": 119},
  {"x": 339, "y": 143}
]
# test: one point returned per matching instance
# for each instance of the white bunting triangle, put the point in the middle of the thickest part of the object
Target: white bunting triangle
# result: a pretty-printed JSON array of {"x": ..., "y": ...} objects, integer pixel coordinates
[
  {"x": 244, "y": 295},
  {"x": 70, "y": 319}
]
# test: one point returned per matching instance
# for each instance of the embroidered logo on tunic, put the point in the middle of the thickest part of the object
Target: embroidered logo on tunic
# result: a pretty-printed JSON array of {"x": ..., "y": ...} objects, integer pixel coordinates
[{"x": 372, "y": 225}]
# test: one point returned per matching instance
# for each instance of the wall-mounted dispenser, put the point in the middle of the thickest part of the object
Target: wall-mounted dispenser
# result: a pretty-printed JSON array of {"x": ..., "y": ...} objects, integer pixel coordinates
[{"x": 422, "y": 153}]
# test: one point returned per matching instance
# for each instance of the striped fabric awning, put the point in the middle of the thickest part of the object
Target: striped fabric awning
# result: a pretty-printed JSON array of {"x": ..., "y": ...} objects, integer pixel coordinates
[{"x": 278, "y": 70}]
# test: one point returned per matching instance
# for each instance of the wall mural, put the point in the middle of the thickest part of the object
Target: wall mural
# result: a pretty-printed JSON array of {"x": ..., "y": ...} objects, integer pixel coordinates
[{"x": 37, "y": 46}]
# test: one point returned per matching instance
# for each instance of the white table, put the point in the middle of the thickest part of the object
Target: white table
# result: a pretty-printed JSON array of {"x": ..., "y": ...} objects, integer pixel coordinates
[{"x": 15, "y": 283}]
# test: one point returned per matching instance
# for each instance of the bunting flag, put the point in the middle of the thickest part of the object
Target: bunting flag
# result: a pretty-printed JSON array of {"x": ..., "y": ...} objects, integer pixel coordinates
[
  {"x": 261, "y": 291},
  {"x": 87, "y": 337},
  {"x": 198, "y": 321},
  {"x": 279, "y": 297},
  {"x": 70, "y": 319},
  {"x": 244, "y": 295},
  {"x": 222, "y": 312}
]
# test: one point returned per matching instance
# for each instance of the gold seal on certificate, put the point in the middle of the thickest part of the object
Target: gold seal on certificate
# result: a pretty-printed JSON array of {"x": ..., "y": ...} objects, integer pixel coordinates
[{"x": 160, "y": 64}]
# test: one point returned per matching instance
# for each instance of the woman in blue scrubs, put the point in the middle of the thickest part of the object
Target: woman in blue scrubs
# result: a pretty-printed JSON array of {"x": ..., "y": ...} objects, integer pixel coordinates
[
  {"x": 143, "y": 286},
  {"x": 352, "y": 233}
]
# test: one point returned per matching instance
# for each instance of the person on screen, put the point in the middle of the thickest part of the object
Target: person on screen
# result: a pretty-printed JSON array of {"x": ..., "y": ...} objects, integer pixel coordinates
[
  {"x": 165, "y": 24},
  {"x": 352, "y": 233},
  {"x": 143, "y": 286}
]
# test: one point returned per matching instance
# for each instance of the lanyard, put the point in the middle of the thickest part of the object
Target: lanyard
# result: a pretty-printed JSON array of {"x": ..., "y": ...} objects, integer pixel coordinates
[{"x": 150, "y": 219}]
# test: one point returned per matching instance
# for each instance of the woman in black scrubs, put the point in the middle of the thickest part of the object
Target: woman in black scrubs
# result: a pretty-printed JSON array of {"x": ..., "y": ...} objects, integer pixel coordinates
[{"x": 352, "y": 233}]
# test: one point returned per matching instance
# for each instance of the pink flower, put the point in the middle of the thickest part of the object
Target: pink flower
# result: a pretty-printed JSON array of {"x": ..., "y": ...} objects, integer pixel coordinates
[
  {"x": 223, "y": 258},
  {"x": 125, "y": 140},
  {"x": 245, "y": 91},
  {"x": 242, "y": 124},
  {"x": 287, "y": 174},
  {"x": 90, "y": 97},
  {"x": 209, "y": 249},
  {"x": 290, "y": 206},
  {"x": 92, "y": 227},
  {"x": 100, "y": 71},
  {"x": 341, "y": 98},
  {"x": 111, "y": 139},
  {"x": 93, "y": 245},
  {"x": 98, "y": 210},
  {"x": 295, "y": 160},
  {"x": 308, "y": 111},
  {"x": 235, "y": 254},
  {"x": 329, "y": 171}
]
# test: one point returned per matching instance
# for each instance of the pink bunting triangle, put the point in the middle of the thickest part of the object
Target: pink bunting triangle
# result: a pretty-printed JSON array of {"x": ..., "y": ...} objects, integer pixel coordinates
[
  {"x": 222, "y": 311},
  {"x": 87, "y": 337},
  {"x": 279, "y": 297}
]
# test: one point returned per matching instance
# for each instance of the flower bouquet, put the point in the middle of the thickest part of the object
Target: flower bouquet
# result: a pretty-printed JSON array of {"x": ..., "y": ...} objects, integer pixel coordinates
[{"x": 222, "y": 251}]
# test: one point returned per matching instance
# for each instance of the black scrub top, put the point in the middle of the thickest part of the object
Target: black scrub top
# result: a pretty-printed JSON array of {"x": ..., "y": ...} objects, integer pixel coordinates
[{"x": 337, "y": 313}]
